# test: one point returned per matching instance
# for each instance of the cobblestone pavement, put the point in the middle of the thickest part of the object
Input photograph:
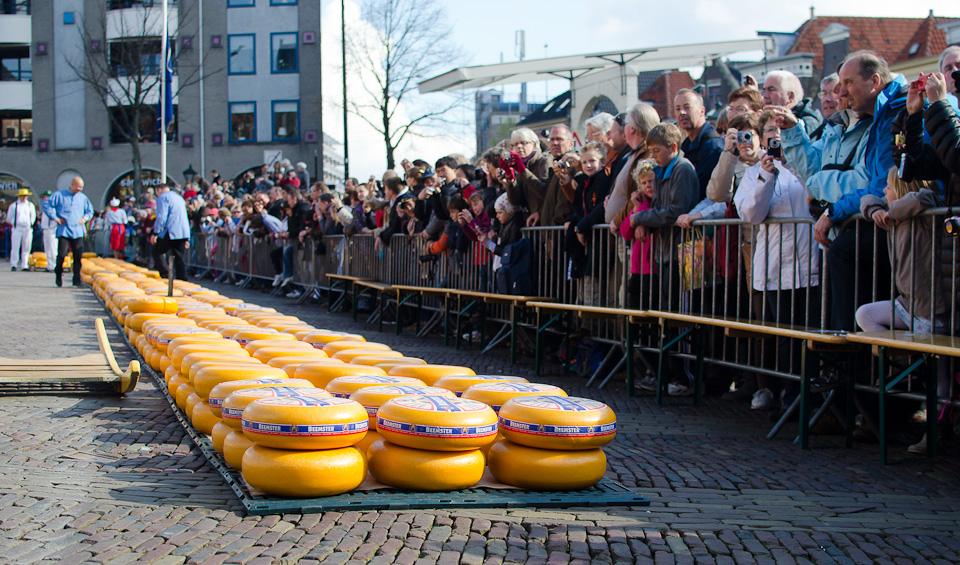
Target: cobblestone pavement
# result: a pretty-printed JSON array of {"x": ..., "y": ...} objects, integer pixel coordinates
[{"x": 115, "y": 480}]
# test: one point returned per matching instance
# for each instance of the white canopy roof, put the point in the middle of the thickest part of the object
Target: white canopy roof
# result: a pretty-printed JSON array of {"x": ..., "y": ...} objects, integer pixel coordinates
[{"x": 574, "y": 66}]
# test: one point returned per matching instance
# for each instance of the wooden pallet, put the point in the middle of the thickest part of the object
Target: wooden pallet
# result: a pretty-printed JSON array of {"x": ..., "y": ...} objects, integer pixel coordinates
[{"x": 91, "y": 369}]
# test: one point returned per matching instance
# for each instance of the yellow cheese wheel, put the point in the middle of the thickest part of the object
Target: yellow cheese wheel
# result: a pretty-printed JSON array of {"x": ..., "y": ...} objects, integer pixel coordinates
[
  {"x": 495, "y": 395},
  {"x": 235, "y": 444},
  {"x": 343, "y": 387},
  {"x": 183, "y": 391},
  {"x": 164, "y": 362},
  {"x": 231, "y": 411},
  {"x": 303, "y": 422},
  {"x": 304, "y": 474},
  {"x": 228, "y": 330},
  {"x": 218, "y": 434},
  {"x": 319, "y": 338},
  {"x": 171, "y": 321},
  {"x": 334, "y": 346},
  {"x": 347, "y": 355},
  {"x": 546, "y": 469},
  {"x": 556, "y": 422},
  {"x": 295, "y": 360},
  {"x": 169, "y": 373},
  {"x": 152, "y": 330},
  {"x": 212, "y": 347},
  {"x": 193, "y": 357},
  {"x": 283, "y": 326},
  {"x": 279, "y": 340},
  {"x": 152, "y": 304},
  {"x": 364, "y": 444},
  {"x": 321, "y": 372},
  {"x": 420, "y": 469},
  {"x": 215, "y": 342},
  {"x": 373, "y": 397},
  {"x": 429, "y": 373},
  {"x": 374, "y": 360},
  {"x": 209, "y": 377},
  {"x": 192, "y": 401},
  {"x": 265, "y": 354},
  {"x": 135, "y": 321},
  {"x": 199, "y": 312},
  {"x": 154, "y": 358},
  {"x": 437, "y": 422},
  {"x": 460, "y": 383},
  {"x": 212, "y": 322},
  {"x": 266, "y": 318},
  {"x": 246, "y": 336},
  {"x": 247, "y": 313},
  {"x": 223, "y": 390},
  {"x": 230, "y": 363},
  {"x": 387, "y": 365},
  {"x": 203, "y": 419},
  {"x": 174, "y": 383},
  {"x": 162, "y": 339}
]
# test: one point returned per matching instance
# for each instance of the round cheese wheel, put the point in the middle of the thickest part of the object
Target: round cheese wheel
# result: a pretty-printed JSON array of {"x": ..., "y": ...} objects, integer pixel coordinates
[
  {"x": 279, "y": 340},
  {"x": 231, "y": 411},
  {"x": 373, "y": 397},
  {"x": 183, "y": 391},
  {"x": 216, "y": 342},
  {"x": 246, "y": 336},
  {"x": 420, "y": 469},
  {"x": 429, "y": 373},
  {"x": 296, "y": 360},
  {"x": 174, "y": 383},
  {"x": 198, "y": 312},
  {"x": 334, "y": 346},
  {"x": 436, "y": 422},
  {"x": 495, "y": 395},
  {"x": 151, "y": 331},
  {"x": 556, "y": 422},
  {"x": 546, "y": 469},
  {"x": 235, "y": 309},
  {"x": 235, "y": 444},
  {"x": 304, "y": 474},
  {"x": 230, "y": 363},
  {"x": 151, "y": 304},
  {"x": 320, "y": 338},
  {"x": 188, "y": 360},
  {"x": 218, "y": 434},
  {"x": 228, "y": 330},
  {"x": 303, "y": 422},
  {"x": 460, "y": 383},
  {"x": 135, "y": 321},
  {"x": 364, "y": 444},
  {"x": 164, "y": 362},
  {"x": 212, "y": 347},
  {"x": 223, "y": 390},
  {"x": 172, "y": 322},
  {"x": 163, "y": 338},
  {"x": 203, "y": 419},
  {"x": 169, "y": 373},
  {"x": 321, "y": 372},
  {"x": 246, "y": 314},
  {"x": 283, "y": 326},
  {"x": 265, "y": 354},
  {"x": 387, "y": 365},
  {"x": 343, "y": 387},
  {"x": 192, "y": 401},
  {"x": 374, "y": 360},
  {"x": 209, "y": 377},
  {"x": 347, "y": 355}
]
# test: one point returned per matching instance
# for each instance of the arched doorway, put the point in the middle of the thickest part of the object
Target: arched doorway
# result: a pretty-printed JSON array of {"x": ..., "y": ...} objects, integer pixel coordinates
[
  {"x": 10, "y": 185},
  {"x": 595, "y": 106},
  {"x": 122, "y": 186}
]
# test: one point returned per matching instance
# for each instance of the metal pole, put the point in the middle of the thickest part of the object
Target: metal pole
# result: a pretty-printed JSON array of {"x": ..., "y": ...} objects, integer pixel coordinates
[
  {"x": 163, "y": 100},
  {"x": 318, "y": 158},
  {"x": 343, "y": 56},
  {"x": 203, "y": 139}
]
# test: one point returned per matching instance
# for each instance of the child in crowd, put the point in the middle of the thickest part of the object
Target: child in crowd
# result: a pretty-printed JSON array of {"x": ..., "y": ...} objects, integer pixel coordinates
[
  {"x": 506, "y": 230},
  {"x": 474, "y": 221},
  {"x": 590, "y": 188},
  {"x": 642, "y": 268}
]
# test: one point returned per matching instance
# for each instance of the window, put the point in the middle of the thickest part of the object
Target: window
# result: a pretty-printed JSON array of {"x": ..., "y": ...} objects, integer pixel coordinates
[
  {"x": 16, "y": 128},
  {"x": 283, "y": 52},
  {"x": 15, "y": 64},
  {"x": 68, "y": 18},
  {"x": 135, "y": 57},
  {"x": 243, "y": 122},
  {"x": 147, "y": 123},
  {"x": 242, "y": 49},
  {"x": 283, "y": 2},
  {"x": 286, "y": 120},
  {"x": 239, "y": 3}
]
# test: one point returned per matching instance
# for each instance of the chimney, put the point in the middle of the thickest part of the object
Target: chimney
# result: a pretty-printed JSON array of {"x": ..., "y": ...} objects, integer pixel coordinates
[{"x": 812, "y": 15}]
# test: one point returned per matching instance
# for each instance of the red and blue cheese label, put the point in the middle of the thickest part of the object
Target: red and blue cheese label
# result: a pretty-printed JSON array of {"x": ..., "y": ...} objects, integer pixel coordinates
[
  {"x": 434, "y": 431},
  {"x": 274, "y": 393},
  {"x": 588, "y": 431},
  {"x": 305, "y": 430},
  {"x": 218, "y": 400}
]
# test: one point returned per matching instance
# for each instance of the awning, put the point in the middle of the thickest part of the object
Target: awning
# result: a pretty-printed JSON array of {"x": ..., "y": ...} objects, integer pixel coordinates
[{"x": 571, "y": 67}]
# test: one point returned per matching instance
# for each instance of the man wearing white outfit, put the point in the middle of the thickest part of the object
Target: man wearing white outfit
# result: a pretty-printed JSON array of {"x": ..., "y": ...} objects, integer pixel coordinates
[
  {"x": 49, "y": 228},
  {"x": 21, "y": 215}
]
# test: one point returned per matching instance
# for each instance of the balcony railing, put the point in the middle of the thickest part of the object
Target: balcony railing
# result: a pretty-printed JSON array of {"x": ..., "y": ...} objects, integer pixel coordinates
[
  {"x": 14, "y": 7},
  {"x": 124, "y": 4}
]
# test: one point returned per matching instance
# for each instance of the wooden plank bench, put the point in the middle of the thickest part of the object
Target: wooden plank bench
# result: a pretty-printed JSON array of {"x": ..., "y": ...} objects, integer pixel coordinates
[
  {"x": 406, "y": 292},
  {"x": 344, "y": 284},
  {"x": 509, "y": 330},
  {"x": 928, "y": 347},
  {"x": 381, "y": 292},
  {"x": 814, "y": 340},
  {"x": 92, "y": 368},
  {"x": 630, "y": 317}
]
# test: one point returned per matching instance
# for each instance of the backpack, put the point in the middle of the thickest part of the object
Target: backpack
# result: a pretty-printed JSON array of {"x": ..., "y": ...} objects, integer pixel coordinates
[{"x": 516, "y": 269}]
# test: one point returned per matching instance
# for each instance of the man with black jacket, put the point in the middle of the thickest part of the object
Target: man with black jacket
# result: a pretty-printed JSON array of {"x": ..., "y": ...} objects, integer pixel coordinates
[
  {"x": 702, "y": 145},
  {"x": 299, "y": 213},
  {"x": 397, "y": 192}
]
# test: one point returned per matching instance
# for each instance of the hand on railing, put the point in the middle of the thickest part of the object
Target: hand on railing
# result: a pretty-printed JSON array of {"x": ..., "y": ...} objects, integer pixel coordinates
[{"x": 533, "y": 219}]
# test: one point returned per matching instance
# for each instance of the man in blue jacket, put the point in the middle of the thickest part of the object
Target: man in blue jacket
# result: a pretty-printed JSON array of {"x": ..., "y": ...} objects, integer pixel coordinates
[
  {"x": 171, "y": 231},
  {"x": 71, "y": 210}
]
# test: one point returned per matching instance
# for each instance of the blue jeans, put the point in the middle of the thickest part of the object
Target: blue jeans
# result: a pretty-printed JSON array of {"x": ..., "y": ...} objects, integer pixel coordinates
[{"x": 288, "y": 261}]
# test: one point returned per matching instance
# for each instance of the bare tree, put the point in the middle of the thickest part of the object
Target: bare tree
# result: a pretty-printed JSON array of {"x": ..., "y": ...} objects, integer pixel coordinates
[
  {"x": 125, "y": 73},
  {"x": 409, "y": 43}
]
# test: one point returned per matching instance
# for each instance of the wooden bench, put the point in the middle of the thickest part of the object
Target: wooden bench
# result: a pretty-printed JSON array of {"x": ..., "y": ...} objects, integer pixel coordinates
[
  {"x": 90, "y": 369},
  {"x": 630, "y": 318},
  {"x": 509, "y": 330},
  {"x": 343, "y": 283},
  {"x": 407, "y": 292},
  {"x": 897, "y": 342},
  {"x": 380, "y": 291}
]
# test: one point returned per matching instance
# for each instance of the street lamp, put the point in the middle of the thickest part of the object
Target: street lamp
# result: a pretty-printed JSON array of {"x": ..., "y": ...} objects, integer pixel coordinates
[{"x": 189, "y": 174}]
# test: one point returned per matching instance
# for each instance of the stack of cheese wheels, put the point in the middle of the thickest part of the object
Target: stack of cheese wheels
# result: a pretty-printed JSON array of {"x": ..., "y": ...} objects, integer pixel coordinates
[
  {"x": 552, "y": 442},
  {"x": 303, "y": 444},
  {"x": 431, "y": 443},
  {"x": 429, "y": 374},
  {"x": 460, "y": 383},
  {"x": 223, "y": 390},
  {"x": 495, "y": 394},
  {"x": 372, "y": 397},
  {"x": 322, "y": 371}
]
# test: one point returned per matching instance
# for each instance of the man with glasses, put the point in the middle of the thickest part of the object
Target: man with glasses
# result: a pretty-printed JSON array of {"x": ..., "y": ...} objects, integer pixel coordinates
[{"x": 555, "y": 205}]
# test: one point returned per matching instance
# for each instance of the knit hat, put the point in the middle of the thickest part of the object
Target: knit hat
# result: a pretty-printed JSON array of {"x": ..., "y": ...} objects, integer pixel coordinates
[{"x": 503, "y": 205}]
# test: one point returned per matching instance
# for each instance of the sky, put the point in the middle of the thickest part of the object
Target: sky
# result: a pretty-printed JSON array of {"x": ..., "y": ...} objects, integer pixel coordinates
[{"x": 486, "y": 31}]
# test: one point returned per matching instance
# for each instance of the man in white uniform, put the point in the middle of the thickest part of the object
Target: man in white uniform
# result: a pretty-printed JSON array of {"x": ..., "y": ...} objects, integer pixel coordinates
[
  {"x": 49, "y": 228},
  {"x": 21, "y": 215}
]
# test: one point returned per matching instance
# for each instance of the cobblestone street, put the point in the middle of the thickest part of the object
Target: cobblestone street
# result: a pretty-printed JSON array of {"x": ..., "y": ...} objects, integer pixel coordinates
[{"x": 86, "y": 478}]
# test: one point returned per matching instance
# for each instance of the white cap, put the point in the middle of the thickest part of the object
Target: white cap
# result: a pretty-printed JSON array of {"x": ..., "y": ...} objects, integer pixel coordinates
[{"x": 114, "y": 202}]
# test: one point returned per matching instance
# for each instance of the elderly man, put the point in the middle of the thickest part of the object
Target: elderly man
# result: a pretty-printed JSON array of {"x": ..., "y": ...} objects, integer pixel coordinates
[
  {"x": 303, "y": 175},
  {"x": 829, "y": 104},
  {"x": 71, "y": 210},
  {"x": 549, "y": 206},
  {"x": 21, "y": 215},
  {"x": 702, "y": 145},
  {"x": 171, "y": 231},
  {"x": 783, "y": 88},
  {"x": 950, "y": 62}
]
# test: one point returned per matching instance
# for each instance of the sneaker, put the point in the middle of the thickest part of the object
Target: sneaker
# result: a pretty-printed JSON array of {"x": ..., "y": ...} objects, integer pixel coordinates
[
  {"x": 294, "y": 294},
  {"x": 744, "y": 392},
  {"x": 677, "y": 389},
  {"x": 647, "y": 383},
  {"x": 277, "y": 279},
  {"x": 286, "y": 281},
  {"x": 763, "y": 399},
  {"x": 13, "y": 268},
  {"x": 919, "y": 448},
  {"x": 471, "y": 336},
  {"x": 827, "y": 380}
]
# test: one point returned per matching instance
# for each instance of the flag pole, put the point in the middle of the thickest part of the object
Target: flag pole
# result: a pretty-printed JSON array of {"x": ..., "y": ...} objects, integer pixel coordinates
[{"x": 163, "y": 100}]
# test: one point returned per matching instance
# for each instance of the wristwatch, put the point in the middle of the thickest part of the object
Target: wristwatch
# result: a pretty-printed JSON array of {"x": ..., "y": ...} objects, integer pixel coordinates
[{"x": 827, "y": 211}]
